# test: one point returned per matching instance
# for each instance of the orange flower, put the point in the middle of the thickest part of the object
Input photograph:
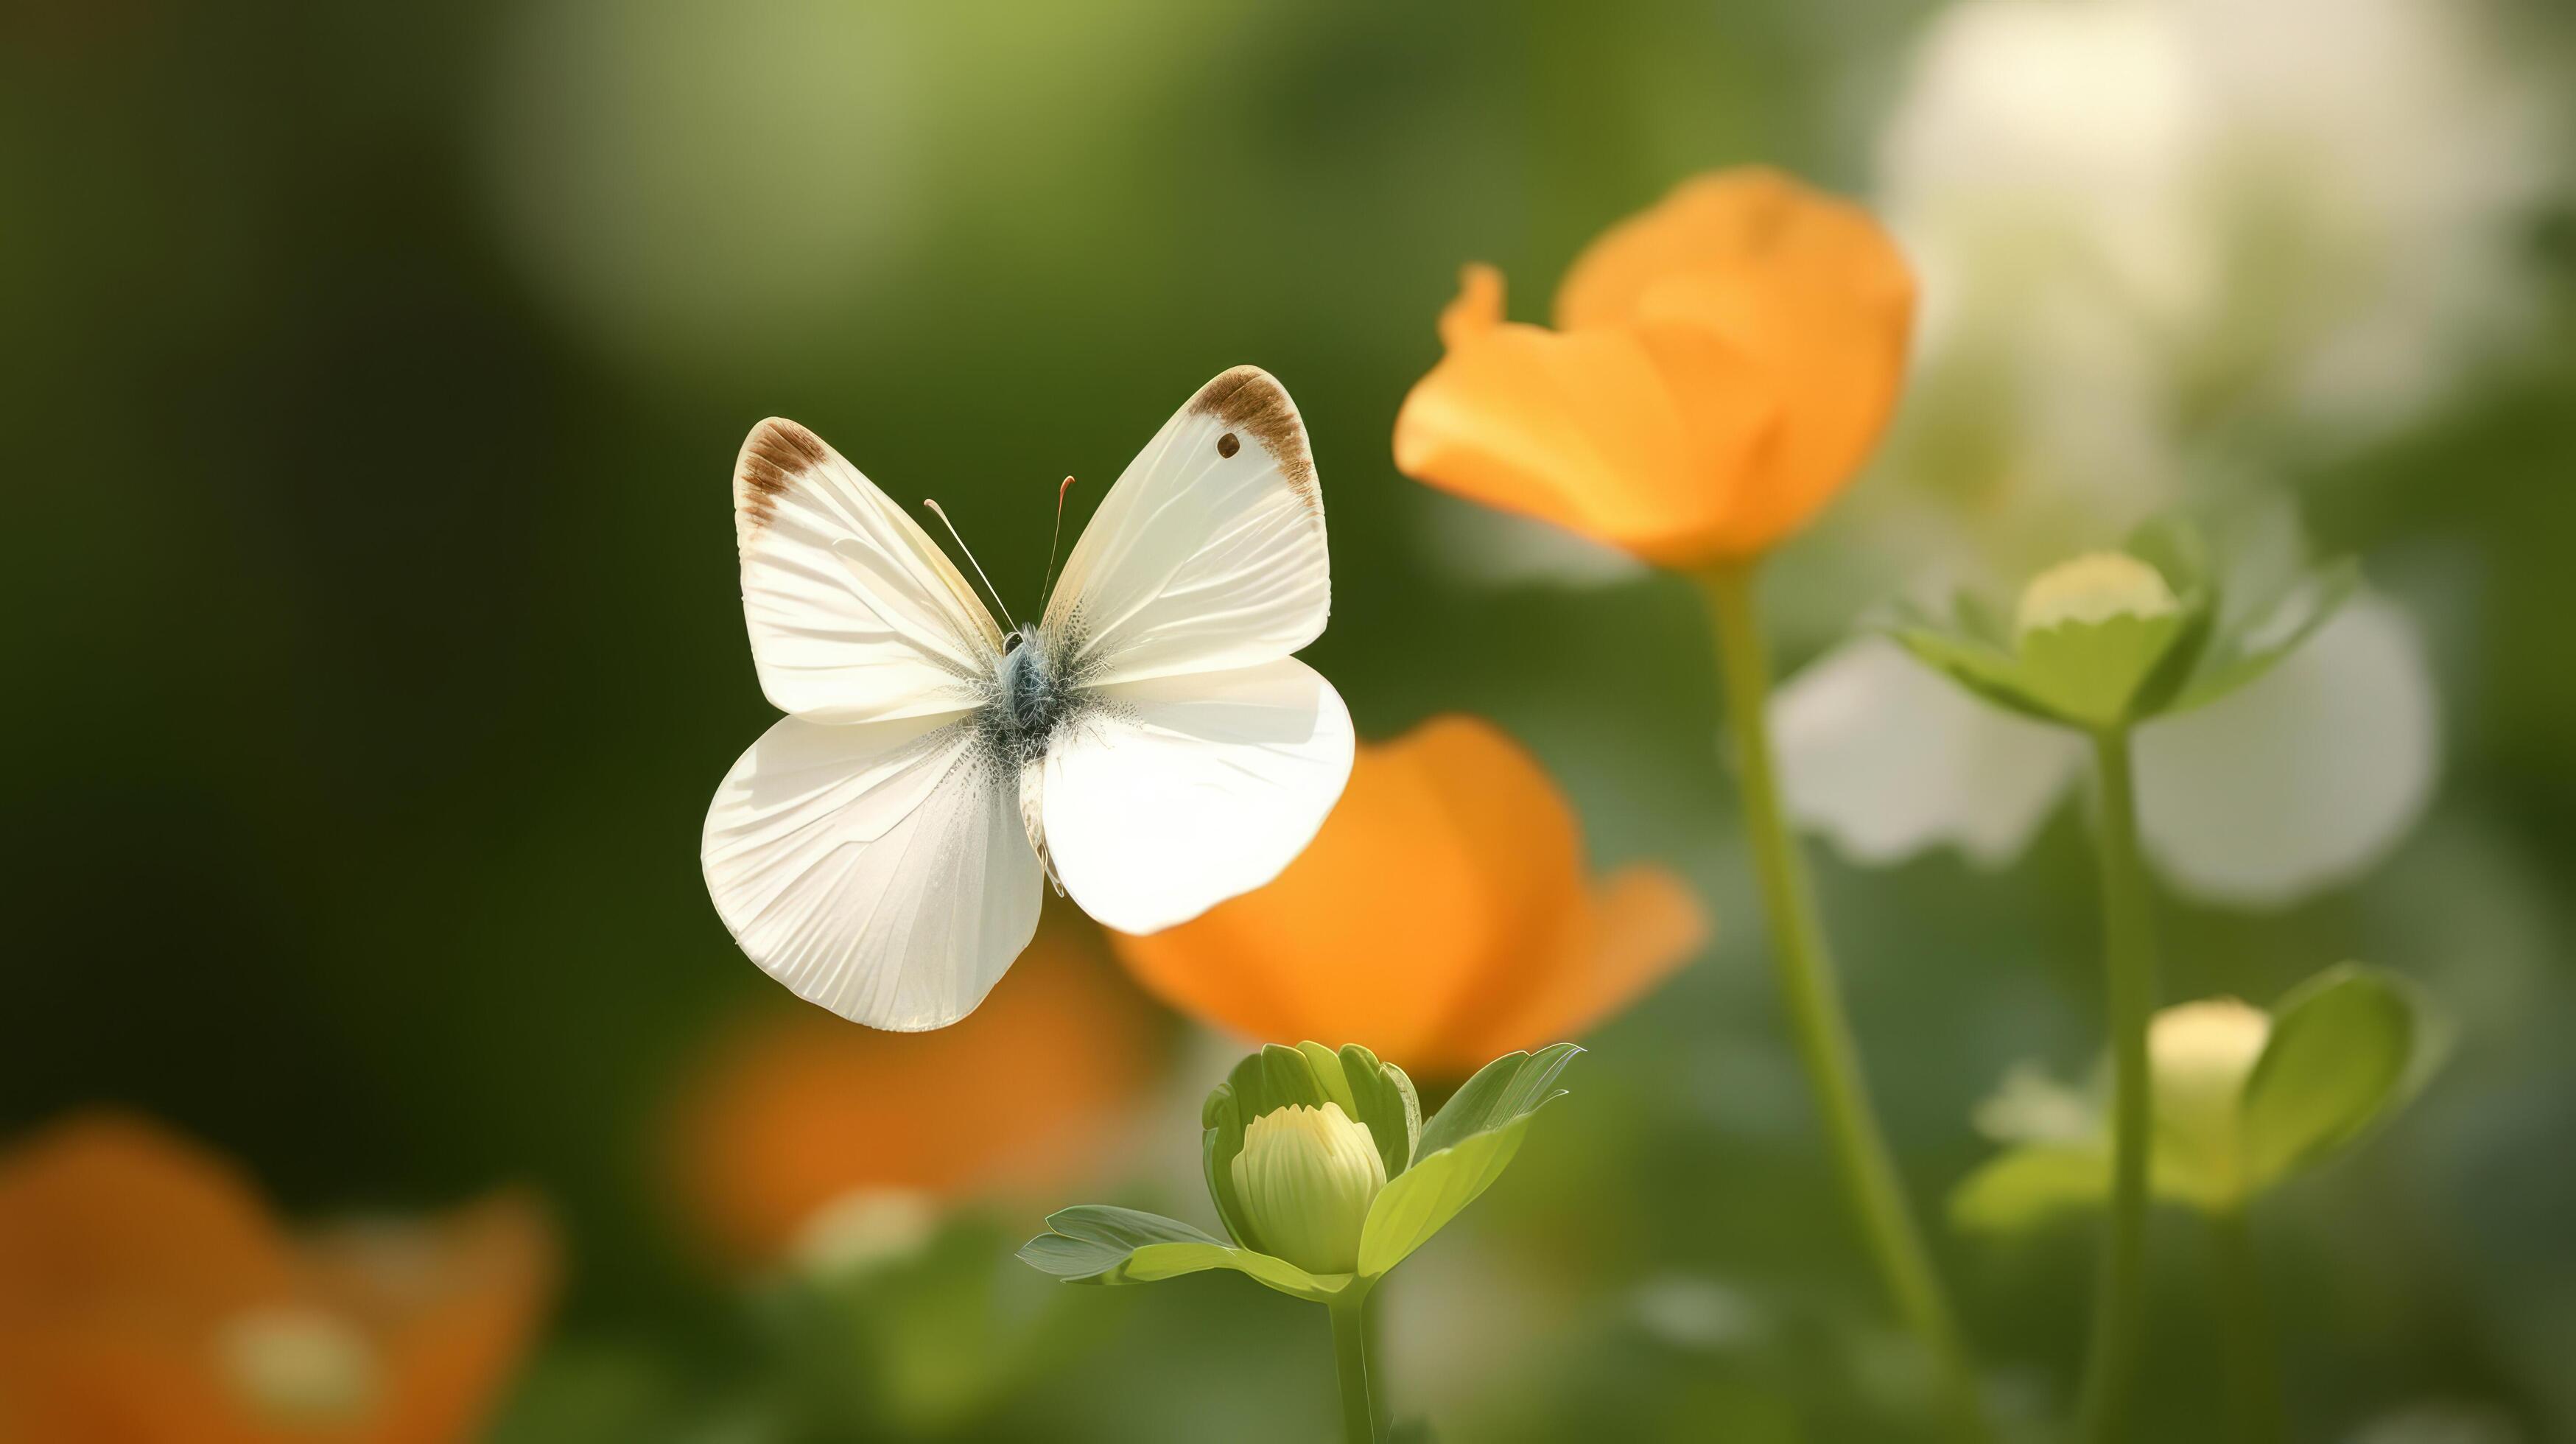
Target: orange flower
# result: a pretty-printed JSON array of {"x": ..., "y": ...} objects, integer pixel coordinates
[
  {"x": 798, "y": 1112},
  {"x": 147, "y": 1297},
  {"x": 1441, "y": 917},
  {"x": 1722, "y": 365}
]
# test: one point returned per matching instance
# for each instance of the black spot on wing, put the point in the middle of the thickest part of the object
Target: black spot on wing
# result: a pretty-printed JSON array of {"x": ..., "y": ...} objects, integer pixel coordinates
[{"x": 1248, "y": 398}]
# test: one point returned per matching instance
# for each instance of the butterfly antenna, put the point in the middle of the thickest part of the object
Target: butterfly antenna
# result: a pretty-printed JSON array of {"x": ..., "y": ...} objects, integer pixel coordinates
[
  {"x": 970, "y": 559},
  {"x": 1054, "y": 538}
]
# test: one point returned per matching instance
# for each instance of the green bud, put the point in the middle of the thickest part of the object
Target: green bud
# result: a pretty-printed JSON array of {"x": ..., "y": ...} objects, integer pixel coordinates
[
  {"x": 1322, "y": 1167},
  {"x": 1306, "y": 1177},
  {"x": 2110, "y": 639},
  {"x": 2202, "y": 1054}
]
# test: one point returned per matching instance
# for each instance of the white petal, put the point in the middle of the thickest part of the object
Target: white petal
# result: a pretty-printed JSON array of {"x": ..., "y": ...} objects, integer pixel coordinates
[
  {"x": 877, "y": 868},
  {"x": 1887, "y": 757},
  {"x": 2303, "y": 779},
  {"x": 1175, "y": 794}
]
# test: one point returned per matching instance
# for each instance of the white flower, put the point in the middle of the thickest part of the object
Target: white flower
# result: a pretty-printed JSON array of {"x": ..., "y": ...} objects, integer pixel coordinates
[
  {"x": 2138, "y": 218},
  {"x": 2300, "y": 781}
]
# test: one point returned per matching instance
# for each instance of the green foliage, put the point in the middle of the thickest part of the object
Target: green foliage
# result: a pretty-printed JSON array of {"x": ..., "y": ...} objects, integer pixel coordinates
[
  {"x": 2338, "y": 1061},
  {"x": 2031, "y": 1185},
  {"x": 2247, "y": 598},
  {"x": 2345, "y": 1049},
  {"x": 1510, "y": 1087},
  {"x": 1434, "y": 1169},
  {"x": 1097, "y": 1244},
  {"x": 1421, "y": 1202}
]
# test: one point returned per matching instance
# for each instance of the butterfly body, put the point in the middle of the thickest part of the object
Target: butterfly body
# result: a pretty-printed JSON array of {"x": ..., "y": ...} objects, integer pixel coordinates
[
  {"x": 1034, "y": 694},
  {"x": 1149, "y": 744}
]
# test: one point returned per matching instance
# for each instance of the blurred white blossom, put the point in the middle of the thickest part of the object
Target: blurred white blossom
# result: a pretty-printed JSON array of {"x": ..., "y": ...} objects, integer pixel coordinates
[
  {"x": 2300, "y": 781},
  {"x": 2143, "y": 225}
]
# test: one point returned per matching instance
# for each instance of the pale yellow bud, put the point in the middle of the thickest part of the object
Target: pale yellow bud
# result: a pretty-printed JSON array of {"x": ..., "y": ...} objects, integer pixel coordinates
[
  {"x": 2092, "y": 589},
  {"x": 297, "y": 1364},
  {"x": 1306, "y": 1177},
  {"x": 2202, "y": 1054}
]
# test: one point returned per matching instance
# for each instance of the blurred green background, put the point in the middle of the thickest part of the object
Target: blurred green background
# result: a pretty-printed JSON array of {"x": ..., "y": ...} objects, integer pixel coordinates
[{"x": 370, "y": 382}]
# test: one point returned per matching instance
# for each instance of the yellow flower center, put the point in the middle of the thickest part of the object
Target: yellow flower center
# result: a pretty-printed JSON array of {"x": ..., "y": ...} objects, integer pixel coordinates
[
  {"x": 2092, "y": 589},
  {"x": 296, "y": 1363}
]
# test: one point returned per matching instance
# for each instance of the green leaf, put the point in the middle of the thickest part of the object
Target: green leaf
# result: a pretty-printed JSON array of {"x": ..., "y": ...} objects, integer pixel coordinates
[
  {"x": 2026, "y": 1187},
  {"x": 1410, "y": 1209},
  {"x": 2089, "y": 673},
  {"x": 1386, "y": 1103},
  {"x": 1507, "y": 1088},
  {"x": 2337, "y": 1060},
  {"x": 2246, "y": 650},
  {"x": 1269, "y": 1079},
  {"x": 2178, "y": 547},
  {"x": 1982, "y": 668},
  {"x": 1325, "y": 1066},
  {"x": 1094, "y": 1243}
]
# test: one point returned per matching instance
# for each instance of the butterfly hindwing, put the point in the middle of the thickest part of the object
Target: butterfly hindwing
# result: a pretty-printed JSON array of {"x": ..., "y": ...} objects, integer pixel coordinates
[{"x": 879, "y": 869}]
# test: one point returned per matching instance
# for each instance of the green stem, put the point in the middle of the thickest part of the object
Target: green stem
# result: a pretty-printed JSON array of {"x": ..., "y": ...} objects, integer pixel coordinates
[
  {"x": 1813, "y": 996},
  {"x": 2129, "y": 962},
  {"x": 2253, "y": 1365},
  {"x": 1355, "y": 1364}
]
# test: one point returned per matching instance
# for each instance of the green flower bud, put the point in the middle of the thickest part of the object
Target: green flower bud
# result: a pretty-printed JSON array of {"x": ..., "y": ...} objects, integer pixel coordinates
[
  {"x": 2091, "y": 590},
  {"x": 2109, "y": 639},
  {"x": 1306, "y": 1177},
  {"x": 1320, "y": 1164}
]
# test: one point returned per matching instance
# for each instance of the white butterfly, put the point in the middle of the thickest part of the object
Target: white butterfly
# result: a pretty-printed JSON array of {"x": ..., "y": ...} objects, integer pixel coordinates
[{"x": 881, "y": 850}]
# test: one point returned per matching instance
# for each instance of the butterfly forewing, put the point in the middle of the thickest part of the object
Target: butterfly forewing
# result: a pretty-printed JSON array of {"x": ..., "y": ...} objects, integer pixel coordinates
[
  {"x": 1208, "y": 552},
  {"x": 854, "y": 612}
]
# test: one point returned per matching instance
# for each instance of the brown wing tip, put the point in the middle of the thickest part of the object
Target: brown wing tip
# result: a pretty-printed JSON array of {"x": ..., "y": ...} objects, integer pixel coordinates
[
  {"x": 1248, "y": 398},
  {"x": 776, "y": 453}
]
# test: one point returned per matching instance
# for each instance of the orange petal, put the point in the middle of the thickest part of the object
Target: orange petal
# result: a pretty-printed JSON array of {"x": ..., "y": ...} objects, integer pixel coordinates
[
  {"x": 796, "y": 1110},
  {"x": 452, "y": 1305},
  {"x": 1638, "y": 438},
  {"x": 1478, "y": 307},
  {"x": 1809, "y": 289},
  {"x": 1448, "y": 858},
  {"x": 1434, "y": 911},
  {"x": 1642, "y": 926},
  {"x": 126, "y": 1252},
  {"x": 122, "y": 1246},
  {"x": 107, "y": 1205}
]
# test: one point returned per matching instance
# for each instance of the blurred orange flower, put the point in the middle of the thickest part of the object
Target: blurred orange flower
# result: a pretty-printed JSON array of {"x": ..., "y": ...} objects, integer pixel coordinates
[
  {"x": 148, "y": 1297},
  {"x": 1441, "y": 917},
  {"x": 1722, "y": 365},
  {"x": 799, "y": 1122}
]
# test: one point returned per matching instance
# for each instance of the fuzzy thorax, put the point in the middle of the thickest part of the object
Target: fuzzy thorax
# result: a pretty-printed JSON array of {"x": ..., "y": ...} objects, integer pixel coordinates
[{"x": 1031, "y": 695}]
